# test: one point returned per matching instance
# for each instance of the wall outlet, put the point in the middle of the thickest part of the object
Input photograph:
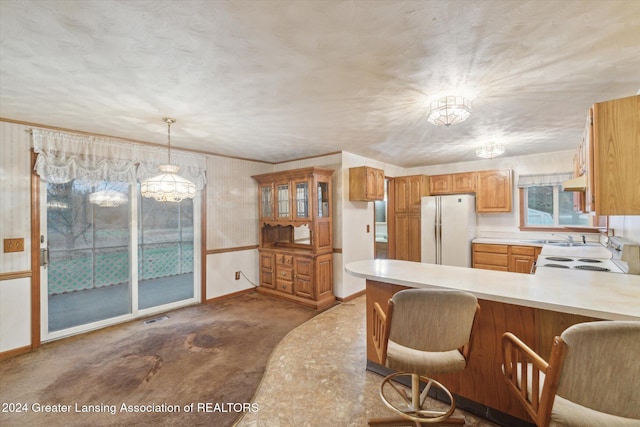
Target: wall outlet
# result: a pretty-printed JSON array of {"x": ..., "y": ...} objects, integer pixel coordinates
[{"x": 237, "y": 275}]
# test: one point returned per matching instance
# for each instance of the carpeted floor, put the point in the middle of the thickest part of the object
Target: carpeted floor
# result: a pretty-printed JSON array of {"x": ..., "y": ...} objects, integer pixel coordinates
[{"x": 201, "y": 366}]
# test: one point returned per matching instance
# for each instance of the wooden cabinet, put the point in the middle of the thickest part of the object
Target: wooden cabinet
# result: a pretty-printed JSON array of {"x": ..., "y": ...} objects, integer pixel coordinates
[
  {"x": 517, "y": 259},
  {"x": 405, "y": 224},
  {"x": 408, "y": 191},
  {"x": 440, "y": 184},
  {"x": 522, "y": 258},
  {"x": 366, "y": 184},
  {"x": 491, "y": 257},
  {"x": 296, "y": 236},
  {"x": 456, "y": 183},
  {"x": 493, "y": 188},
  {"x": 494, "y": 191},
  {"x": 614, "y": 177}
]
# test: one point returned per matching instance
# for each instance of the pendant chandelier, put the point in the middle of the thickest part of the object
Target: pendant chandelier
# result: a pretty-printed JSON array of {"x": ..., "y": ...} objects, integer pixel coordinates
[
  {"x": 168, "y": 186},
  {"x": 449, "y": 110},
  {"x": 490, "y": 150}
]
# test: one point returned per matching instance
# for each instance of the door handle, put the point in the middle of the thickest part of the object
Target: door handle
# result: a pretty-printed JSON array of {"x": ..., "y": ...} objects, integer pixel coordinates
[{"x": 44, "y": 257}]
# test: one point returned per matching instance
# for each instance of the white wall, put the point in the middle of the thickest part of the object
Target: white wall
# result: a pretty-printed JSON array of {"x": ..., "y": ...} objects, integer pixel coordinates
[{"x": 15, "y": 217}]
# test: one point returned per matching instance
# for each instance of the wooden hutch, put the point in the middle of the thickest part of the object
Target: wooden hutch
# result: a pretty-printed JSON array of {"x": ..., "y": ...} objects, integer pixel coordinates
[{"x": 296, "y": 236}]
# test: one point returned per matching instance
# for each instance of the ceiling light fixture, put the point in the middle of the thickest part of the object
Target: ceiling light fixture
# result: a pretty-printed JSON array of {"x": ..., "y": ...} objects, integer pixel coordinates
[
  {"x": 168, "y": 186},
  {"x": 490, "y": 150},
  {"x": 449, "y": 110}
]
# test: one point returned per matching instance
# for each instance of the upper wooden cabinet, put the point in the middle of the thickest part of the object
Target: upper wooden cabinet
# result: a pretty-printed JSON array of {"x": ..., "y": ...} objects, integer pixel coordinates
[
  {"x": 455, "y": 183},
  {"x": 614, "y": 176},
  {"x": 407, "y": 192},
  {"x": 440, "y": 184},
  {"x": 289, "y": 199},
  {"x": 494, "y": 191},
  {"x": 366, "y": 184}
]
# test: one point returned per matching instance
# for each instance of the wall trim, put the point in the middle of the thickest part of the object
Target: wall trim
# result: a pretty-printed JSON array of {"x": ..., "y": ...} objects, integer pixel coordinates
[
  {"x": 352, "y": 296},
  {"x": 15, "y": 275},
  {"x": 15, "y": 352},
  {"x": 236, "y": 249},
  {"x": 228, "y": 296}
]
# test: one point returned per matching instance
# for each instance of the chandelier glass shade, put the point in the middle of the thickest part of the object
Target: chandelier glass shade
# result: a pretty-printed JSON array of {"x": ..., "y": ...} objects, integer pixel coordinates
[
  {"x": 108, "y": 198},
  {"x": 490, "y": 150},
  {"x": 168, "y": 186},
  {"x": 449, "y": 110}
]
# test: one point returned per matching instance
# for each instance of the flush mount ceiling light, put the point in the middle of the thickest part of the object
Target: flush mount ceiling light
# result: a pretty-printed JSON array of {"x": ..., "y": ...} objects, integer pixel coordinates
[
  {"x": 108, "y": 198},
  {"x": 449, "y": 110},
  {"x": 168, "y": 186},
  {"x": 490, "y": 150}
]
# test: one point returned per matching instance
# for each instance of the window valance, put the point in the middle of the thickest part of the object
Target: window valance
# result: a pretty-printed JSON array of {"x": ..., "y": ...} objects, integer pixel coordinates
[
  {"x": 63, "y": 157},
  {"x": 550, "y": 179}
]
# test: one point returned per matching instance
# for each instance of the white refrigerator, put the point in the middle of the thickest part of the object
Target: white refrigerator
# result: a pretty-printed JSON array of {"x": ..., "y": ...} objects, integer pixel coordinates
[{"x": 448, "y": 225}]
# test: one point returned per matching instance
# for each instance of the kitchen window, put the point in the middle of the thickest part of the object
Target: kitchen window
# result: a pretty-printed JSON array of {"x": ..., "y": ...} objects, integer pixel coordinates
[{"x": 543, "y": 204}]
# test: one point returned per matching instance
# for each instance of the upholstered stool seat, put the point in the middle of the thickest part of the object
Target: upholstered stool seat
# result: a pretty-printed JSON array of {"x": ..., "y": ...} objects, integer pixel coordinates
[
  {"x": 592, "y": 378},
  {"x": 424, "y": 332}
]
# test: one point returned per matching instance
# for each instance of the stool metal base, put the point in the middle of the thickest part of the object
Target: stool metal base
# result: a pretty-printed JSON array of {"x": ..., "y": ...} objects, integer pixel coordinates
[{"x": 411, "y": 409}]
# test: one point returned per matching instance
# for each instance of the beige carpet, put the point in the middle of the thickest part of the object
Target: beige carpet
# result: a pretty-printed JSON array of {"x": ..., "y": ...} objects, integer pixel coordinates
[{"x": 199, "y": 367}]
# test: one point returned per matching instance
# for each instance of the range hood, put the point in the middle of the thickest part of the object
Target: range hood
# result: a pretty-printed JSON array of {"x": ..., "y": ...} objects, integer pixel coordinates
[{"x": 575, "y": 184}]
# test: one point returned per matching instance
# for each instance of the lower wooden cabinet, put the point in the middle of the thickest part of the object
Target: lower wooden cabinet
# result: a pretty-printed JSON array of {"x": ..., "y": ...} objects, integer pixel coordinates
[
  {"x": 517, "y": 259},
  {"x": 297, "y": 276}
]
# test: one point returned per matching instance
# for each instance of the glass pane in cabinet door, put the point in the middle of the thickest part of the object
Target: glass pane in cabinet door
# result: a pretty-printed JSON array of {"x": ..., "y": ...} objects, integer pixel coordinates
[
  {"x": 302, "y": 200},
  {"x": 283, "y": 200},
  {"x": 323, "y": 199},
  {"x": 267, "y": 202}
]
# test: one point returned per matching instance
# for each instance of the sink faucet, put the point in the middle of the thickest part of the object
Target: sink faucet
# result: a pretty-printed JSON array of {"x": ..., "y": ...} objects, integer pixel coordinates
[{"x": 569, "y": 239}]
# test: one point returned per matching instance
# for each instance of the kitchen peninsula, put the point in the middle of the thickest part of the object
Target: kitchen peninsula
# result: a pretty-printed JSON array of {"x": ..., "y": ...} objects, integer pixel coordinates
[{"x": 535, "y": 307}]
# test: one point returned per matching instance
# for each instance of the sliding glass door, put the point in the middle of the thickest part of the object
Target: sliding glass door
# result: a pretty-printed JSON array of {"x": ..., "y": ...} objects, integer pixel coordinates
[
  {"x": 165, "y": 252},
  {"x": 114, "y": 258}
]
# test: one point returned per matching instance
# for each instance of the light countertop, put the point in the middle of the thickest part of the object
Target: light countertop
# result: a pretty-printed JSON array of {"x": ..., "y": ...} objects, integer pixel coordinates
[{"x": 602, "y": 295}]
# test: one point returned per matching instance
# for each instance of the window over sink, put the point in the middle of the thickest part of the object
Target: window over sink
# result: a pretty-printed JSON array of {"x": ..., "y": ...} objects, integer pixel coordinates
[{"x": 543, "y": 204}]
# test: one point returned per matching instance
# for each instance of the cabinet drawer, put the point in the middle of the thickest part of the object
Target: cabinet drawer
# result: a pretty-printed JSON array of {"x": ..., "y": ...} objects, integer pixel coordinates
[
  {"x": 283, "y": 259},
  {"x": 284, "y": 286},
  {"x": 523, "y": 250},
  {"x": 495, "y": 249},
  {"x": 284, "y": 273},
  {"x": 491, "y": 259}
]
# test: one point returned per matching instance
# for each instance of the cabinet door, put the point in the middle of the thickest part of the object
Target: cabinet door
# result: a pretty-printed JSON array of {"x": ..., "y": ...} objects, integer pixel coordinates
[
  {"x": 266, "y": 201},
  {"x": 407, "y": 227},
  {"x": 494, "y": 192},
  {"x": 521, "y": 264},
  {"x": 464, "y": 182},
  {"x": 379, "y": 185},
  {"x": 402, "y": 193},
  {"x": 440, "y": 184},
  {"x": 322, "y": 194},
  {"x": 283, "y": 200},
  {"x": 616, "y": 150},
  {"x": 303, "y": 277},
  {"x": 417, "y": 189},
  {"x": 266, "y": 270},
  {"x": 302, "y": 202}
]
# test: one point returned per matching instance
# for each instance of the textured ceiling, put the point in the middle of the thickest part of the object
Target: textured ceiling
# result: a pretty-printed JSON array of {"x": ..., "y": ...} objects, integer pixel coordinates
[{"x": 280, "y": 80}]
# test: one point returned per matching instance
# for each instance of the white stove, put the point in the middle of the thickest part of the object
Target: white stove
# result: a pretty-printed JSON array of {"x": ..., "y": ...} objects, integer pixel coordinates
[
  {"x": 578, "y": 263},
  {"x": 593, "y": 257}
]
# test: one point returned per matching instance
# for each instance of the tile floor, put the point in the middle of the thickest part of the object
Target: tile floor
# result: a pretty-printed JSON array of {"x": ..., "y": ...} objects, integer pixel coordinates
[{"x": 317, "y": 376}]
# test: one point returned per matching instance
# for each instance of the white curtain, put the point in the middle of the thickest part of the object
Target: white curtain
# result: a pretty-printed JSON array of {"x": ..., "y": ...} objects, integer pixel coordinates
[
  {"x": 63, "y": 157},
  {"x": 551, "y": 179}
]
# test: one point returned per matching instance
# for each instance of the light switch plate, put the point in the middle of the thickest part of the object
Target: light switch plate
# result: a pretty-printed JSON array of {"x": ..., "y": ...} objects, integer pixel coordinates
[{"x": 14, "y": 245}]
